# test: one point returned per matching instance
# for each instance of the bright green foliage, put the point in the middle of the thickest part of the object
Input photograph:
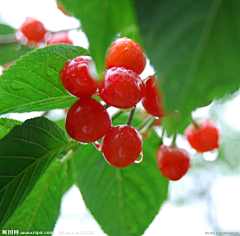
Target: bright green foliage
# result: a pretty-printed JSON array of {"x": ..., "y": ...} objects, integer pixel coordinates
[
  {"x": 12, "y": 51},
  {"x": 25, "y": 153},
  {"x": 194, "y": 47},
  {"x": 6, "y": 125},
  {"x": 33, "y": 83},
  {"x": 5, "y": 30},
  {"x": 123, "y": 201},
  {"x": 40, "y": 210},
  {"x": 101, "y": 20}
]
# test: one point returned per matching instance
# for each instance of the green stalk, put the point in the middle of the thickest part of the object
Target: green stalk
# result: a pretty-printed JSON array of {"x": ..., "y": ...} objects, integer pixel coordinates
[{"x": 130, "y": 117}]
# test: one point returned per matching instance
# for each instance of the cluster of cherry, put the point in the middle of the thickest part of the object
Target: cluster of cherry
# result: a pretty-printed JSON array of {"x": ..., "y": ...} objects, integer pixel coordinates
[
  {"x": 121, "y": 87},
  {"x": 88, "y": 120}
]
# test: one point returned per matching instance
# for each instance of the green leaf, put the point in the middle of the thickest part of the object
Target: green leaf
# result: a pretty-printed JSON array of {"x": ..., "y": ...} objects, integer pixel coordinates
[
  {"x": 194, "y": 47},
  {"x": 25, "y": 153},
  {"x": 101, "y": 20},
  {"x": 40, "y": 210},
  {"x": 6, "y": 125},
  {"x": 5, "y": 29},
  {"x": 33, "y": 83},
  {"x": 69, "y": 174},
  {"x": 123, "y": 201},
  {"x": 12, "y": 51}
]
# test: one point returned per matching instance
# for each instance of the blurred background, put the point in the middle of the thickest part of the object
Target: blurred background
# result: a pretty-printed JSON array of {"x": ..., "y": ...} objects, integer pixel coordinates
[{"x": 205, "y": 200}]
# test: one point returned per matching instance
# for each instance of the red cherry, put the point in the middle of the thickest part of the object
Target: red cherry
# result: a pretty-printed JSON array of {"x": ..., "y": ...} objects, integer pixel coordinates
[
  {"x": 87, "y": 120},
  {"x": 173, "y": 162},
  {"x": 76, "y": 78},
  {"x": 152, "y": 100},
  {"x": 127, "y": 53},
  {"x": 33, "y": 30},
  {"x": 203, "y": 136},
  {"x": 60, "y": 37},
  {"x": 121, "y": 146},
  {"x": 121, "y": 88}
]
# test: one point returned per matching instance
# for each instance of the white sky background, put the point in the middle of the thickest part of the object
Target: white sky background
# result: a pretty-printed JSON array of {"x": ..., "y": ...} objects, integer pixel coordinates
[{"x": 188, "y": 219}]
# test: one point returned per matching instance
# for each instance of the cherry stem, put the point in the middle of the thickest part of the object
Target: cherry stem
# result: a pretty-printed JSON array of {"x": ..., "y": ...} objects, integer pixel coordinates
[
  {"x": 75, "y": 28},
  {"x": 116, "y": 114},
  {"x": 130, "y": 117},
  {"x": 148, "y": 77},
  {"x": 196, "y": 125},
  {"x": 144, "y": 123},
  {"x": 106, "y": 106},
  {"x": 174, "y": 139},
  {"x": 148, "y": 124},
  {"x": 44, "y": 114},
  {"x": 164, "y": 126}
]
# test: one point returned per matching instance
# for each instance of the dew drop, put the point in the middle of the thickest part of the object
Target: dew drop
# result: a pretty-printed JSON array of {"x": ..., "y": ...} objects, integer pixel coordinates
[
  {"x": 50, "y": 72},
  {"x": 211, "y": 155},
  {"x": 57, "y": 57},
  {"x": 141, "y": 158},
  {"x": 97, "y": 145}
]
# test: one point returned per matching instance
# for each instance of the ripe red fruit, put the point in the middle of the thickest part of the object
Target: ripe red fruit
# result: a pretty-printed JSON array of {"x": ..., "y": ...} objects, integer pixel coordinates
[
  {"x": 127, "y": 53},
  {"x": 173, "y": 162},
  {"x": 121, "y": 88},
  {"x": 152, "y": 100},
  {"x": 121, "y": 146},
  {"x": 60, "y": 37},
  {"x": 33, "y": 30},
  {"x": 203, "y": 136},
  {"x": 76, "y": 78},
  {"x": 87, "y": 120}
]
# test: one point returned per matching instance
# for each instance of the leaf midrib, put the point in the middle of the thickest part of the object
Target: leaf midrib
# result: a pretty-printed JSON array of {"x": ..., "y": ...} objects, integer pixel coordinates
[
  {"x": 66, "y": 145},
  {"x": 43, "y": 193},
  {"x": 121, "y": 200},
  {"x": 210, "y": 20},
  {"x": 36, "y": 102}
]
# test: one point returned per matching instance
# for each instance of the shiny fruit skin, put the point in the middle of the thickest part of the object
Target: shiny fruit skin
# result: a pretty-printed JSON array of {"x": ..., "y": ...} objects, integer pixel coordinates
[
  {"x": 121, "y": 88},
  {"x": 127, "y": 53},
  {"x": 204, "y": 138},
  {"x": 173, "y": 162},
  {"x": 121, "y": 146},
  {"x": 33, "y": 30},
  {"x": 60, "y": 37},
  {"x": 87, "y": 120},
  {"x": 152, "y": 100},
  {"x": 76, "y": 78}
]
